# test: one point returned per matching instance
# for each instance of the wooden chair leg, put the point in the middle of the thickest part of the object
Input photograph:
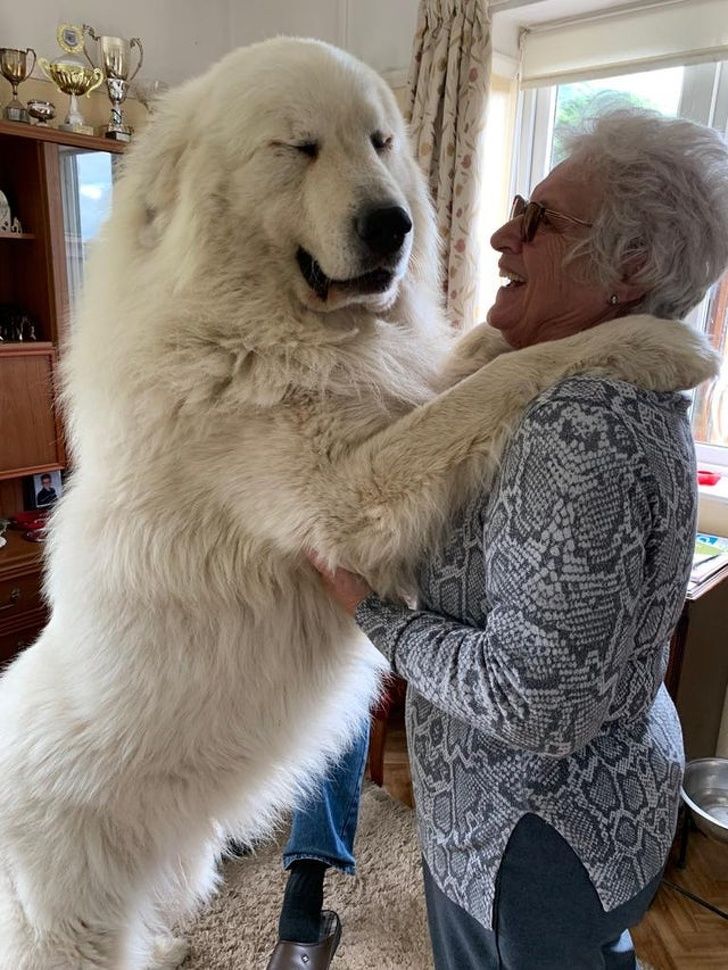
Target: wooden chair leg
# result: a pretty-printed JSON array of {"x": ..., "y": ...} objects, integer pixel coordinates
[{"x": 377, "y": 737}]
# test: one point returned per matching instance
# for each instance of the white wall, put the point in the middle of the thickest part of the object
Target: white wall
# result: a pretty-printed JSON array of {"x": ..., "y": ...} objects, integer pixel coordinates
[
  {"x": 380, "y": 32},
  {"x": 182, "y": 37}
]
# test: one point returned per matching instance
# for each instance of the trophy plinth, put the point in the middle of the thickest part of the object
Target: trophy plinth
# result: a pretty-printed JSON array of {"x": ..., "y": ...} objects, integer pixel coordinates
[
  {"x": 16, "y": 112},
  {"x": 15, "y": 68},
  {"x": 78, "y": 128},
  {"x": 114, "y": 58}
]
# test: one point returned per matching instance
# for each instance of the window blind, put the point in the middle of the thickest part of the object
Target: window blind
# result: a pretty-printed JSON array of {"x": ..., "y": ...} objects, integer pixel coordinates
[{"x": 652, "y": 35}]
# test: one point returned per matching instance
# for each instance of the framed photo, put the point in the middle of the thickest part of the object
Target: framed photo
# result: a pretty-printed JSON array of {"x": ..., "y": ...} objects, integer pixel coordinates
[{"x": 43, "y": 490}]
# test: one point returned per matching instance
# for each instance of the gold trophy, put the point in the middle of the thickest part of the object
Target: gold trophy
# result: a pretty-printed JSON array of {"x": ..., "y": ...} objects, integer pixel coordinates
[
  {"x": 114, "y": 55},
  {"x": 71, "y": 76},
  {"x": 14, "y": 68}
]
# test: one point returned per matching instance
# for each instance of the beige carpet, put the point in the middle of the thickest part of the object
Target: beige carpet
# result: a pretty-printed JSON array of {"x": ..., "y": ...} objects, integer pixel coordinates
[{"x": 382, "y": 908}]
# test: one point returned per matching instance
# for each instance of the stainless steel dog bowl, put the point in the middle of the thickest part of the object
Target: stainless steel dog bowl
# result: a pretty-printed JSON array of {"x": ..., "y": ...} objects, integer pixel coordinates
[{"x": 705, "y": 792}]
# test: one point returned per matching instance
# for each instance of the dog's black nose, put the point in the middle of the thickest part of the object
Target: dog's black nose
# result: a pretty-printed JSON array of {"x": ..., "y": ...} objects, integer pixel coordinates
[{"x": 384, "y": 229}]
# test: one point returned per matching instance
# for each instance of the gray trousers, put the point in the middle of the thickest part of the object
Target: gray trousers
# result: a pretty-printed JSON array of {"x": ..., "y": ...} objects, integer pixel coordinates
[{"x": 547, "y": 915}]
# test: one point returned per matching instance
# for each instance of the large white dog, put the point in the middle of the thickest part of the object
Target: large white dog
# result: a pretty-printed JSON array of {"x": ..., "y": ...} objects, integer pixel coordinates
[{"x": 256, "y": 369}]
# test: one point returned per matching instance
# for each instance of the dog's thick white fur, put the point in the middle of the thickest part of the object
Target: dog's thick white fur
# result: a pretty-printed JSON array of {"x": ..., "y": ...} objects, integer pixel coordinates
[{"x": 226, "y": 413}]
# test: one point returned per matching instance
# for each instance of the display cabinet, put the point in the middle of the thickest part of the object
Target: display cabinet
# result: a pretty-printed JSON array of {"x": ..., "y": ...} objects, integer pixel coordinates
[{"x": 58, "y": 185}]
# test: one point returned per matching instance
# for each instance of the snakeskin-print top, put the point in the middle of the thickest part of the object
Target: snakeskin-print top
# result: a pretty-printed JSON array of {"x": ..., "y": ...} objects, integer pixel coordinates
[{"x": 535, "y": 665}]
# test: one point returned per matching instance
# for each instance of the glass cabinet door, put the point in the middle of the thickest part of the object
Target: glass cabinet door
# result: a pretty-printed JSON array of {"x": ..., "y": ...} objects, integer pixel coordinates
[{"x": 86, "y": 186}]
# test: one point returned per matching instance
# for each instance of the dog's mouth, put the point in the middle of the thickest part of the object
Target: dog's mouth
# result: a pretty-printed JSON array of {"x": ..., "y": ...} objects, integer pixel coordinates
[{"x": 376, "y": 281}]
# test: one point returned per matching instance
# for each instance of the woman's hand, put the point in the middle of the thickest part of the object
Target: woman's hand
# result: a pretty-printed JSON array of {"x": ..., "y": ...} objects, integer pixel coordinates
[{"x": 348, "y": 589}]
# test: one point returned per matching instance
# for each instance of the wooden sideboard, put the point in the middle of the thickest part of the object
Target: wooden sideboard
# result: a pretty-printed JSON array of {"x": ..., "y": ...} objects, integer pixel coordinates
[
  {"x": 22, "y": 611},
  {"x": 697, "y": 675},
  {"x": 42, "y": 176}
]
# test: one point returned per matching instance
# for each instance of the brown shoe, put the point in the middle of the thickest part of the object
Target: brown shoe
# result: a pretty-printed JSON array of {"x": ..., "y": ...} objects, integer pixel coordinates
[{"x": 309, "y": 956}]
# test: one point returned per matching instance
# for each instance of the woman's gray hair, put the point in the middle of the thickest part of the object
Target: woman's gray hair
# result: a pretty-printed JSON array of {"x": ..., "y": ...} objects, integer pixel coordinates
[{"x": 665, "y": 205}]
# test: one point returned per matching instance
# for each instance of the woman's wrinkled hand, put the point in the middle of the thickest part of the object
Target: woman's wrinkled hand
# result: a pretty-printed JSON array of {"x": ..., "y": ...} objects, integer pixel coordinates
[{"x": 348, "y": 589}]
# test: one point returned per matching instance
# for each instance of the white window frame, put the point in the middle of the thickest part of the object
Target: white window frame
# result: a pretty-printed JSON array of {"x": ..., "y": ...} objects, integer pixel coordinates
[{"x": 704, "y": 99}]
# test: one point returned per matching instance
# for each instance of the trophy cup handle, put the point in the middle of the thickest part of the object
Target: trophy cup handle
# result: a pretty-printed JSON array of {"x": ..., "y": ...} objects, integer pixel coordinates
[
  {"x": 136, "y": 42},
  {"x": 29, "y": 50},
  {"x": 44, "y": 65},
  {"x": 98, "y": 79},
  {"x": 94, "y": 36}
]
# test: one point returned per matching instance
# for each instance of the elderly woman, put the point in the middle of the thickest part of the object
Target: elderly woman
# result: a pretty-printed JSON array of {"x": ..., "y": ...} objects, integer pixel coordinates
[{"x": 546, "y": 752}]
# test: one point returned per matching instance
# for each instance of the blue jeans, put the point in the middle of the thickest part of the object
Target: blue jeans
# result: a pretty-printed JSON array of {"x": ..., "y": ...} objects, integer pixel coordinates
[
  {"x": 546, "y": 915},
  {"x": 324, "y": 827}
]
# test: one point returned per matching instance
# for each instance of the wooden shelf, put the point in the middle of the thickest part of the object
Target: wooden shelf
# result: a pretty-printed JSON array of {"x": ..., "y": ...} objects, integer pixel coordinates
[
  {"x": 17, "y": 235},
  {"x": 42, "y": 133},
  {"x": 9, "y": 348}
]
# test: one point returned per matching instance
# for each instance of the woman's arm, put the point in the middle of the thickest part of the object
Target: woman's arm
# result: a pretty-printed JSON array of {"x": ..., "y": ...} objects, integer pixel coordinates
[{"x": 564, "y": 567}]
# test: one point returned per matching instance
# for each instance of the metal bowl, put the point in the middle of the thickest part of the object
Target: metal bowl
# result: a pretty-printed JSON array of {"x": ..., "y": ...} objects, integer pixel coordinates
[
  {"x": 705, "y": 792},
  {"x": 42, "y": 111}
]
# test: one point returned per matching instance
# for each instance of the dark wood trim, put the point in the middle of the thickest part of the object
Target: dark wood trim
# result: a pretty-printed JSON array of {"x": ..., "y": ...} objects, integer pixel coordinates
[
  {"x": 60, "y": 429},
  {"x": 19, "y": 557},
  {"x": 41, "y": 133},
  {"x": 677, "y": 653},
  {"x": 33, "y": 469},
  {"x": 27, "y": 348},
  {"x": 17, "y": 235},
  {"x": 25, "y": 621},
  {"x": 56, "y": 269}
]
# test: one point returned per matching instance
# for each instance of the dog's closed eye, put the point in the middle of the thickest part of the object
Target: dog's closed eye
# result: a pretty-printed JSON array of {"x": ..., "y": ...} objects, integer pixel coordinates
[
  {"x": 309, "y": 148},
  {"x": 380, "y": 141}
]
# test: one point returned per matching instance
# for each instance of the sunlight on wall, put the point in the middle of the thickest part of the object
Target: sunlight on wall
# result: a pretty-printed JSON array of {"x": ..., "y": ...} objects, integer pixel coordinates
[{"x": 496, "y": 182}]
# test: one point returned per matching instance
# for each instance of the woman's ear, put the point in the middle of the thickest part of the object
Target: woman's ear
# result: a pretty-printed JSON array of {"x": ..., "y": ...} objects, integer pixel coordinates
[{"x": 630, "y": 289}]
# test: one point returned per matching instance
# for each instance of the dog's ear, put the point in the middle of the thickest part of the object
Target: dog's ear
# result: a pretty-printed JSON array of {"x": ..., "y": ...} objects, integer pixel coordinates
[
  {"x": 159, "y": 158},
  {"x": 157, "y": 166}
]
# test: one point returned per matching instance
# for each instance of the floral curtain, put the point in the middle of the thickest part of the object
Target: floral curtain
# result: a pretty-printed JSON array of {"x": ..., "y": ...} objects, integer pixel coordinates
[{"x": 448, "y": 94}]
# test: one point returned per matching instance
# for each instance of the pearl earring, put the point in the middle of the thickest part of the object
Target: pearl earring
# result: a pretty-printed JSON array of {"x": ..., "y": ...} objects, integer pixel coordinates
[{"x": 613, "y": 299}]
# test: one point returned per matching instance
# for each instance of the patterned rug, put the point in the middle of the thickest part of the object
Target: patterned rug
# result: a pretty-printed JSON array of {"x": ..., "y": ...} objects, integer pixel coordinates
[{"x": 382, "y": 908}]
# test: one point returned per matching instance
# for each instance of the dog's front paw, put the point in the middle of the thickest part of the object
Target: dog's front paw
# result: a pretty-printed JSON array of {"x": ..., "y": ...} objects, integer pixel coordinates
[{"x": 169, "y": 953}]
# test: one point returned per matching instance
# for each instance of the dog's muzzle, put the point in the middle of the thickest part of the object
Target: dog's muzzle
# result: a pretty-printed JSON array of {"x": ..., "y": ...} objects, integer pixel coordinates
[
  {"x": 381, "y": 231},
  {"x": 376, "y": 281}
]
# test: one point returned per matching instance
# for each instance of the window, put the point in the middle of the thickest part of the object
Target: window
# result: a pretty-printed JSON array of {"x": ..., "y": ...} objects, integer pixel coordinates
[
  {"x": 698, "y": 92},
  {"x": 86, "y": 183}
]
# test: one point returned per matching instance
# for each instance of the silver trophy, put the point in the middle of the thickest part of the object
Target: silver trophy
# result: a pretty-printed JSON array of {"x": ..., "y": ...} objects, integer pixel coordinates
[{"x": 114, "y": 56}]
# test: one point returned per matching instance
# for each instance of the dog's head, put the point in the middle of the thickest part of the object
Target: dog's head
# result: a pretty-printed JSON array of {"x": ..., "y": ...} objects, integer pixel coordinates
[{"x": 287, "y": 165}]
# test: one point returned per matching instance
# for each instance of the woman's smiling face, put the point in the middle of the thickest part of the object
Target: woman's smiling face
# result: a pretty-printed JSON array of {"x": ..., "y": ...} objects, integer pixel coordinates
[{"x": 546, "y": 299}]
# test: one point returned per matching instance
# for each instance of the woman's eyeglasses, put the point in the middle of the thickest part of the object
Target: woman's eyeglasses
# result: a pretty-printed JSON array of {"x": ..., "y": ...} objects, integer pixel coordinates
[{"x": 533, "y": 214}]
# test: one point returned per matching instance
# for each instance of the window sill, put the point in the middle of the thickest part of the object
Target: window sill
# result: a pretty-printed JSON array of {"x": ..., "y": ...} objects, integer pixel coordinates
[{"x": 719, "y": 491}]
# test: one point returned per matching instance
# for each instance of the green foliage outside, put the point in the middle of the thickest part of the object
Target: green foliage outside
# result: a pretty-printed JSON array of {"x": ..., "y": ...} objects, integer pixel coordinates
[{"x": 577, "y": 102}]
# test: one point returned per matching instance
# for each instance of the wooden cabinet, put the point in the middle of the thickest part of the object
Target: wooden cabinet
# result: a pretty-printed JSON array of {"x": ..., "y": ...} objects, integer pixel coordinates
[
  {"x": 22, "y": 610},
  {"x": 53, "y": 181},
  {"x": 31, "y": 437},
  {"x": 697, "y": 675}
]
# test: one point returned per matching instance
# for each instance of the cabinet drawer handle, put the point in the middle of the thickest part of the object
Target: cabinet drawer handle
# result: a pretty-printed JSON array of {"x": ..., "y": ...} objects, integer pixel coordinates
[{"x": 12, "y": 599}]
